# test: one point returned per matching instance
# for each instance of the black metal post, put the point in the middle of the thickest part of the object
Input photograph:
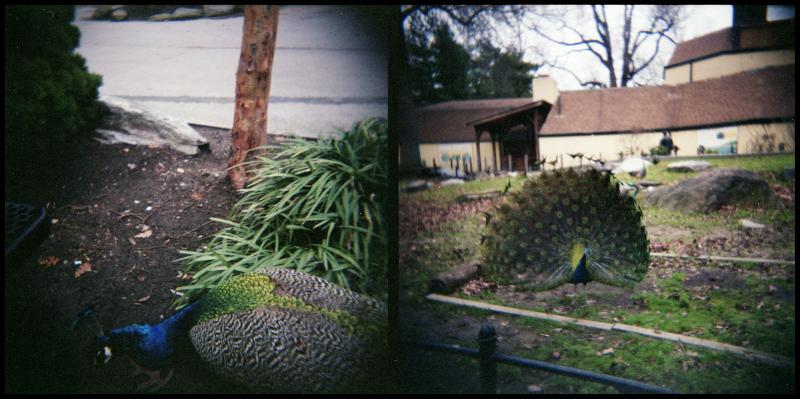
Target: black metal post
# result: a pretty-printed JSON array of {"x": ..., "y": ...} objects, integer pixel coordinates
[{"x": 487, "y": 341}]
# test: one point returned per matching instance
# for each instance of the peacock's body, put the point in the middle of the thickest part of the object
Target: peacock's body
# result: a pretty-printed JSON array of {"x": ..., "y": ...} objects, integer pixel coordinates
[
  {"x": 278, "y": 330},
  {"x": 567, "y": 227}
]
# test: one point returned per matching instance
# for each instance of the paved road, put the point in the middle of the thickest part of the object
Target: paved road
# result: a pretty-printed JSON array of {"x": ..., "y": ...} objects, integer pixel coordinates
[{"x": 330, "y": 67}]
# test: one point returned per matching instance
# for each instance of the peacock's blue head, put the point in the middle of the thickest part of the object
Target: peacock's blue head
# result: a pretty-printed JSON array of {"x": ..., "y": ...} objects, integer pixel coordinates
[{"x": 124, "y": 340}]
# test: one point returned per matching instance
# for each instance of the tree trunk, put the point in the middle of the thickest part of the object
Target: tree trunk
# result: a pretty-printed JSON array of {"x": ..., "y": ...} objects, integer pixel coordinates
[
  {"x": 410, "y": 161},
  {"x": 253, "y": 80}
]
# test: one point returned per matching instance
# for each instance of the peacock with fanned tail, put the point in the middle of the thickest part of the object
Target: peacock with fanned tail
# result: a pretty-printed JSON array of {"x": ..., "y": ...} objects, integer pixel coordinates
[
  {"x": 567, "y": 226},
  {"x": 278, "y": 330}
]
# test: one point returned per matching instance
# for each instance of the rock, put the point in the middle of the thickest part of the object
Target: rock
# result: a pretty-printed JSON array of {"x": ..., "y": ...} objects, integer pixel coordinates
[
  {"x": 688, "y": 166},
  {"x": 632, "y": 166},
  {"x": 417, "y": 185},
  {"x": 119, "y": 15},
  {"x": 645, "y": 183},
  {"x": 130, "y": 123},
  {"x": 101, "y": 12},
  {"x": 535, "y": 388},
  {"x": 161, "y": 17},
  {"x": 451, "y": 182},
  {"x": 218, "y": 10},
  {"x": 710, "y": 190},
  {"x": 187, "y": 13},
  {"x": 749, "y": 224}
]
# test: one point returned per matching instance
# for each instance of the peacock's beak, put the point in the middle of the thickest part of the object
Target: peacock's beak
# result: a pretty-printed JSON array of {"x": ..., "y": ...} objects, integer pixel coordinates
[{"x": 103, "y": 355}]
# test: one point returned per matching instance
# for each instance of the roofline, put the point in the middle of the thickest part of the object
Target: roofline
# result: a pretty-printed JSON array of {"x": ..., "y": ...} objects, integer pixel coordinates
[
  {"x": 726, "y": 52},
  {"x": 690, "y": 127},
  {"x": 426, "y": 107},
  {"x": 507, "y": 112}
]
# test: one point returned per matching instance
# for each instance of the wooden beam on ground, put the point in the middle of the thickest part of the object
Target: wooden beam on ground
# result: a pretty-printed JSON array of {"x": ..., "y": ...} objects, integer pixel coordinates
[
  {"x": 723, "y": 258},
  {"x": 750, "y": 354}
]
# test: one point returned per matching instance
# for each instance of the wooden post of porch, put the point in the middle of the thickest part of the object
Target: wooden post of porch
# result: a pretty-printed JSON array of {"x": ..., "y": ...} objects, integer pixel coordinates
[
  {"x": 478, "y": 146},
  {"x": 494, "y": 150}
]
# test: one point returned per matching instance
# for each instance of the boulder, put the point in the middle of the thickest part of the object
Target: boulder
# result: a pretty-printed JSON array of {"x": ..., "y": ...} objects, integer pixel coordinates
[
  {"x": 451, "y": 182},
  {"x": 688, "y": 166},
  {"x": 218, "y": 10},
  {"x": 417, "y": 185},
  {"x": 710, "y": 190},
  {"x": 119, "y": 15},
  {"x": 130, "y": 123},
  {"x": 101, "y": 12},
  {"x": 631, "y": 165},
  {"x": 161, "y": 17},
  {"x": 187, "y": 13}
]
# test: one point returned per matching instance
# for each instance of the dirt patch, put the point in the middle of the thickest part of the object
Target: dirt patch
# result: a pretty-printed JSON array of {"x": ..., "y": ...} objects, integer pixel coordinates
[{"x": 125, "y": 211}]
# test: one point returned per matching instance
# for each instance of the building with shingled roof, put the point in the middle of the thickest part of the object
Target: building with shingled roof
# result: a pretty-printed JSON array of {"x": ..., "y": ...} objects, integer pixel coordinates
[{"x": 730, "y": 91}]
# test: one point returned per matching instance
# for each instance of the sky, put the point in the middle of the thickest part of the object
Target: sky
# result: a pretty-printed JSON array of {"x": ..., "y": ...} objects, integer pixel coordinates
[{"x": 699, "y": 20}]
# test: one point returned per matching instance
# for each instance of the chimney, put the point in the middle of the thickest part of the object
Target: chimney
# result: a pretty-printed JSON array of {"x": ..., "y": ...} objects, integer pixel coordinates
[
  {"x": 749, "y": 15},
  {"x": 544, "y": 88},
  {"x": 746, "y": 16}
]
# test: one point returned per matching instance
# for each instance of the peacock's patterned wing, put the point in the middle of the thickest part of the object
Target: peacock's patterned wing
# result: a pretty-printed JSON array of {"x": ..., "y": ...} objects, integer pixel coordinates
[
  {"x": 286, "y": 331},
  {"x": 272, "y": 349},
  {"x": 531, "y": 241},
  {"x": 322, "y": 293}
]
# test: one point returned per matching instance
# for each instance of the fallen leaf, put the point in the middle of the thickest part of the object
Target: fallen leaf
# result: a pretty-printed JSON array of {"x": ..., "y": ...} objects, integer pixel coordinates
[
  {"x": 198, "y": 196},
  {"x": 132, "y": 241},
  {"x": 49, "y": 261},
  {"x": 83, "y": 268},
  {"x": 146, "y": 232},
  {"x": 607, "y": 351}
]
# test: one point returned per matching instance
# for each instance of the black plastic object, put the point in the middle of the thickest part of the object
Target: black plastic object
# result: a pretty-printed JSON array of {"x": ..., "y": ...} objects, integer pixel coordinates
[{"x": 26, "y": 227}]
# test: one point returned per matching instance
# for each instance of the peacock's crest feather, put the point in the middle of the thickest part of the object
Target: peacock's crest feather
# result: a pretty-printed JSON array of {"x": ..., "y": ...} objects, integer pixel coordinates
[{"x": 542, "y": 233}]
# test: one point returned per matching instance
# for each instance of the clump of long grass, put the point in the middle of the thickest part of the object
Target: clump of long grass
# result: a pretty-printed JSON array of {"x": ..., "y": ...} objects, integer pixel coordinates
[{"x": 313, "y": 206}]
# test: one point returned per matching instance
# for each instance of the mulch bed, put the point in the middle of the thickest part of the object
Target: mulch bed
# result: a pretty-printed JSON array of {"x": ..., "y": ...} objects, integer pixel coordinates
[{"x": 99, "y": 252}]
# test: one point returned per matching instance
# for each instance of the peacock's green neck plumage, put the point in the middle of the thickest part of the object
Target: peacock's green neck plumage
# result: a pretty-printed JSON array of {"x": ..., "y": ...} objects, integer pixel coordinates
[{"x": 250, "y": 291}]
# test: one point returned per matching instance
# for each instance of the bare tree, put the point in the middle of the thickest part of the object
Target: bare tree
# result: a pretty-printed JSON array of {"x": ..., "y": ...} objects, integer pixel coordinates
[
  {"x": 253, "y": 79},
  {"x": 638, "y": 49}
]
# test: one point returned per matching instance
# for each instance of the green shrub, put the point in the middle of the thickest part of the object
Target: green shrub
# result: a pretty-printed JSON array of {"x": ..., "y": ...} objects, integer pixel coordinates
[
  {"x": 659, "y": 150},
  {"x": 311, "y": 206},
  {"x": 50, "y": 97}
]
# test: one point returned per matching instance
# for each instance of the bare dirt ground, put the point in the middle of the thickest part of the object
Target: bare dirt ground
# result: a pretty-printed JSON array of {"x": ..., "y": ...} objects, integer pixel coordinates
[{"x": 120, "y": 215}]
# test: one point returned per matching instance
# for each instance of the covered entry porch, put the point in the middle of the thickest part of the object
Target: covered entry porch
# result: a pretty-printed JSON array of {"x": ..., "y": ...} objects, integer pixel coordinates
[{"x": 517, "y": 132}]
